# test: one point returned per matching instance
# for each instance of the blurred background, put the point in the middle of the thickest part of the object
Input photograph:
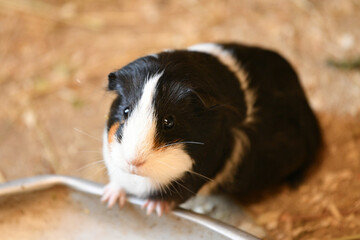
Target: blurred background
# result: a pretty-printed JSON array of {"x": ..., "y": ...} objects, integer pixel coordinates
[{"x": 55, "y": 56}]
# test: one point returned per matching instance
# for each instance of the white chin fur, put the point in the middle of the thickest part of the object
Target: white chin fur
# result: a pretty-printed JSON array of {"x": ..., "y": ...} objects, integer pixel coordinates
[{"x": 160, "y": 166}]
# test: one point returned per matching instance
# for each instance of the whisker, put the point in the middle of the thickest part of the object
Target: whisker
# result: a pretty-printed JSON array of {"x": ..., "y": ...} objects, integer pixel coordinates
[
  {"x": 157, "y": 183},
  {"x": 162, "y": 189},
  {"x": 200, "y": 175},
  {"x": 175, "y": 143},
  {"x": 86, "y": 134},
  {"x": 162, "y": 186},
  {"x": 184, "y": 187},
  {"x": 174, "y": 187},
  {"x": 99, "y": 170},
  {"x": 158, "y": 187},
  {"x": 90, "y": 165},
  {"x": 91, "y": 151},
  {"x": 168, "y": 187},
  {"x": 189, "y": 171}
]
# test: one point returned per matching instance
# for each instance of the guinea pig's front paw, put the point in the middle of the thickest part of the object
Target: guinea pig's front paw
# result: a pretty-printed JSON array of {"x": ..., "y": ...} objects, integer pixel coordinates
[
  {"x": 113, "y": 194},
  {"x": 159, "y": 206}
]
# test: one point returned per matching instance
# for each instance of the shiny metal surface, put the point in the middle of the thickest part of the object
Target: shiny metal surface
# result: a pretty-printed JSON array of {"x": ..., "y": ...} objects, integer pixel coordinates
[{"x": 47, "y": 181}]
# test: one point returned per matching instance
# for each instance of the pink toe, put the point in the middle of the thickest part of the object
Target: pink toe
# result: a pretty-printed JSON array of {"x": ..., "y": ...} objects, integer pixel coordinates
[
  {"x": 159, "y": 209},
  {"x": 122, "y": 200},
  {"x": 146, "y": 204},
  {"x": 150, "y": 208},
  {"x": 113, "y": 199}
]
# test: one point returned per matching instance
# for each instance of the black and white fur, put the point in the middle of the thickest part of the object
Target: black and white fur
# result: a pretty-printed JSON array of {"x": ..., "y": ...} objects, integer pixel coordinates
[{"x": 239, "y": 122}]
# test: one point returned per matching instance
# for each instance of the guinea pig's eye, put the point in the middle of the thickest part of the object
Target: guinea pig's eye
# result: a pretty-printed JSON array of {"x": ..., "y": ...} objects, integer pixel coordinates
[
  {"x": 126, "y": 112},
  {"x": 168, "y": 122}
]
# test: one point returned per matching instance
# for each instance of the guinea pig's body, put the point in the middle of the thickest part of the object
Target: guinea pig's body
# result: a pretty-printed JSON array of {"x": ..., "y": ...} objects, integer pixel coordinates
[{"x": 214, "y": 116}]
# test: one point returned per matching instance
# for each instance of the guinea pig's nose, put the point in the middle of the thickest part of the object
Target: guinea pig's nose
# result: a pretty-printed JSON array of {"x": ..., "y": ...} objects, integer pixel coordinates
[
  {"x": 137, "y": 162},
  {"x": 134, "y": 166}
]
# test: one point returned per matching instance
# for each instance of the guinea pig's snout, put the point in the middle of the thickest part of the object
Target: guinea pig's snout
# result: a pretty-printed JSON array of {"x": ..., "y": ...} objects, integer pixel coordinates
[{"x": 135, "y": 164}]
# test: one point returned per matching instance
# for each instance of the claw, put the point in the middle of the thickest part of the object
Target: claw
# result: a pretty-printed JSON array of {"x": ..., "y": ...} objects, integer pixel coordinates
[
  {"x": 160, "y": 207},
  {"x": 122, "y": 199},
  {"x": 111, "y": 195}
]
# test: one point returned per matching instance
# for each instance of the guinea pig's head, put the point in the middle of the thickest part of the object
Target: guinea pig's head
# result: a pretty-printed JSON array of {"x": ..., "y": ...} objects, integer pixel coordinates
[{"x": 160, "y": 121}]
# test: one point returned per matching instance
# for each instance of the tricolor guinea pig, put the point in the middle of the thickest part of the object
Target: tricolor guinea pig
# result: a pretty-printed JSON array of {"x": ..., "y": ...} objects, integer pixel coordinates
[{"x": 211, "y": 117}]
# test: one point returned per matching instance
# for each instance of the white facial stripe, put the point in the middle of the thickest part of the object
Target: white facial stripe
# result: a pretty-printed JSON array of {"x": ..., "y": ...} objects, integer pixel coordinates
[
  {"x": 228, "y": 60},
  {"x": 140, "y": 129}
]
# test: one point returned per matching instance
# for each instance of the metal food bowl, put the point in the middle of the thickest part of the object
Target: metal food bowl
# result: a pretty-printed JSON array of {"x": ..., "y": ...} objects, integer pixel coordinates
[{"x": 56, "y": 212}]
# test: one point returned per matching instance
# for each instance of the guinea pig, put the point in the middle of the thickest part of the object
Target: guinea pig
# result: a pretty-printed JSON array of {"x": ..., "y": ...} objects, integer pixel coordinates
[{"x": 212, "y": 117}]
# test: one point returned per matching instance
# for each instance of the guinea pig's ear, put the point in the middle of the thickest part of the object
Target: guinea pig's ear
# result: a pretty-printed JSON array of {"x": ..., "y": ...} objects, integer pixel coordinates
[
  {"x": 210, "y": 102},
  {"x": 206, "y": 99},
  {"x": 113, "y": 83}
]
